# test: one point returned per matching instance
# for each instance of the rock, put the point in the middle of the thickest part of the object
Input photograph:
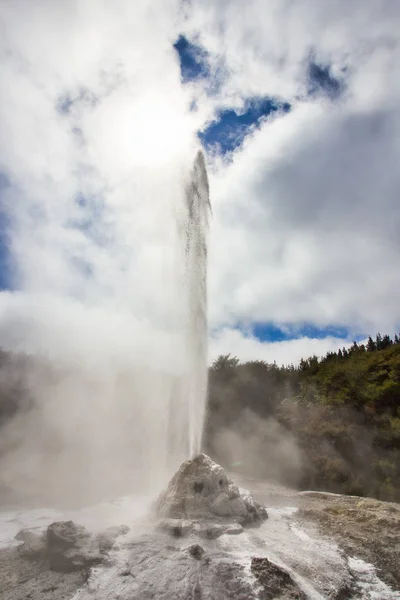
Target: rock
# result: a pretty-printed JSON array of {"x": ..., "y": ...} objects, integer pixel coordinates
[
  {"x": 106, "y": 539},
  {"x": 200, "y": 489},
  {"x": 176, "y": 527},
  {"x": 71, "y": 560},
  {"x": 221, "y": 505},
  {"x": 277, "y": 583},
  {"x": 210, "y": 531},
  {"x": 65, "y": 534},
  {"x": 70, "y": 548},
  {"x": 33, "y": 547},
  {"x": 196, "y": 551},
  {"x": 234, "y": 529},
  {"x": 255, "y": 511}
]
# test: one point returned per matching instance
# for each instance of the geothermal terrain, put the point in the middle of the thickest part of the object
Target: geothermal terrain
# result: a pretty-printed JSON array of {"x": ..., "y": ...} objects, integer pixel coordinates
[{"x": 204, "y": 537}]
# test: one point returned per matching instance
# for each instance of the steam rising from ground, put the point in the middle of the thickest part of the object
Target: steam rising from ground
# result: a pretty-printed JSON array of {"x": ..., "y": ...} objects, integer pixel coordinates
[
  {"x": 118, "y": 402},
  {"x": 93, "y": 193},
  {"x": 260, "y": 448}
]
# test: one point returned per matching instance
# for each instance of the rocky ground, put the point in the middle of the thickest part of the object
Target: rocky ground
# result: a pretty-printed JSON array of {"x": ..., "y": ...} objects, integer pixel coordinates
[
  {"x": 23, "y": 579},
  {"x": 363, "y": 527},
  {"x": 211, "y": 541},
  {"x": 54, "y": 563},
  {"x": 366, "y": 528}
]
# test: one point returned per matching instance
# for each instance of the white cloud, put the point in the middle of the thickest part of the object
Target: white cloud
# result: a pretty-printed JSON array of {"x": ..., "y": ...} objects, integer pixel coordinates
[
  {"x": 305, "y": 216},
  {"x": 123, "y": 143},
  {"x": 265, "y": 45},
  {"x": 247, "y": 347},
  {"x": 306, "y": 221}
]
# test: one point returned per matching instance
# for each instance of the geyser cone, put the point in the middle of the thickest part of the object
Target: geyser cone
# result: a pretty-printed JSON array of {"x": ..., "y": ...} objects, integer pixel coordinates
[{"x": 200, "y": 489}]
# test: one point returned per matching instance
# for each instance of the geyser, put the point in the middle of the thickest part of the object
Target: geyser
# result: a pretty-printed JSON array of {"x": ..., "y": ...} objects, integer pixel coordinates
[{"x": 195, "y": 388}]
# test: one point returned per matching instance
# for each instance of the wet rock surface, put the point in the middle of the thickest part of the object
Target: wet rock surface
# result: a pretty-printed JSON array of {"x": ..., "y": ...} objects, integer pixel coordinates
[
  {"x": 106, "y": 539},
  {"x": 212, "y": 557},
  {"x": 23, "y": 579},
  {"x": 154, "y": 569},
  {"x": 54, "y": 563},
  {"x": 276, "y": 583},
  {"x": 69, "y": 547},
  {"x": 363, "y": 527},
  {"x": 176, "y": 527}
]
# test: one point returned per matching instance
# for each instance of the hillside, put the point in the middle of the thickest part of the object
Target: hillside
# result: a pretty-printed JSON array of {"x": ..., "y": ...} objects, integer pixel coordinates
[{"x": 330, "y": 424}]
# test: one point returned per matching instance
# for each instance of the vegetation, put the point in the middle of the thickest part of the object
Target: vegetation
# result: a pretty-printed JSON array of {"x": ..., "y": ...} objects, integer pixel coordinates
[{"x": 330, "y": 424}]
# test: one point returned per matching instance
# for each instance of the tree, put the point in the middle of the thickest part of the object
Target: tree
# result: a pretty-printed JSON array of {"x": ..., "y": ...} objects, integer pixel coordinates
[
  {"x": 343, "y": 412},
  {"x": 378, "y": 341},
  {"x": 225, "y": 362},
  {"x": 386, "y": 342},
  {"x": 354, "y": 348}
]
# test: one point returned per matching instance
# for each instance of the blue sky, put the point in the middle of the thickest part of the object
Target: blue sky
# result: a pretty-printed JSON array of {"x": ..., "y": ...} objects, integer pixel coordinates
[
  {"x": 230, "y": 126},
  {"x": 272, "y": 333}
]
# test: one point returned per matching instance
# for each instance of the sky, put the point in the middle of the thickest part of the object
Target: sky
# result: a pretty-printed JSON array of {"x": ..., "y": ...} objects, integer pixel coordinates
[{"x": 103, "y": 107}]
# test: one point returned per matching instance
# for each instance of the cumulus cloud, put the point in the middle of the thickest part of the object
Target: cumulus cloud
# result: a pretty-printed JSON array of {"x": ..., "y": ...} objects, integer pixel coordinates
[
  {"x": 311, "y": 207},
  {"x": 99, "y": 141},
  {"x": 265, "y": 47},
  {"x": 100, "y": 131},
  {"x": 306, "y": 213}
]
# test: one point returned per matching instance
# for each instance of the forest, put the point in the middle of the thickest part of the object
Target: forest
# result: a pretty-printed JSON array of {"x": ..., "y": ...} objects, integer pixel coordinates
[{"x": 332, "y": 423}]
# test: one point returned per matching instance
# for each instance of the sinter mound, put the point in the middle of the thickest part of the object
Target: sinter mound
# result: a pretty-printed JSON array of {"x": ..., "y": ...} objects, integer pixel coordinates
[{"x": 200, "y": 490}]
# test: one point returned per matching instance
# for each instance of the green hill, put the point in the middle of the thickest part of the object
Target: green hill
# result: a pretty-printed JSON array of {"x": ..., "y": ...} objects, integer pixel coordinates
[{"x": 331, "y": 424}]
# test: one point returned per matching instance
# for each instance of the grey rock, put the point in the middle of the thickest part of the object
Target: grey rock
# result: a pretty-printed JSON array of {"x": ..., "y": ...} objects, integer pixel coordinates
[
  {"x": 209, "y": 531},
  {"x": 176, "y": 527},
  {"x": 33, "y": 547},
  {"x": 70, "y": 547},
  {"x": 234, "y": 507},
  {"x": 188, "y": 573},
  {"x": 71, "y": 560},
  {"x": 196, "y": 551},
  {"x": 106, "y": 539},
  {"x": 234, "y": 529},
  {"x": 277, "y": 583},
  {"x": 201, "y": 490},
  {"x": 65, "y": 534}
]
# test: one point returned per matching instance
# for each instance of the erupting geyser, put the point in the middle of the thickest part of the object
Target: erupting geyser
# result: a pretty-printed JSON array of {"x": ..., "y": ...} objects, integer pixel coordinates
[
  {"x": 198, "y": 209},
  {"x": 186, "y": 403}
]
